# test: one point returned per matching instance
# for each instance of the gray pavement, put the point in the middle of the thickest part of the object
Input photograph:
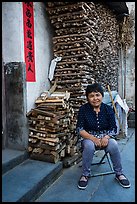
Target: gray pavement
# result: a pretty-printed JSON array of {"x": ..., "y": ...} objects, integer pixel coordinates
[{"x": 101, "y": 188}]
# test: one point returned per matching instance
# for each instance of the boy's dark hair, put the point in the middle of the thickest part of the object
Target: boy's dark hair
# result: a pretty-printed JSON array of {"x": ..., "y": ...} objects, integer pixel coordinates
[{"x": 96, "y": 87}]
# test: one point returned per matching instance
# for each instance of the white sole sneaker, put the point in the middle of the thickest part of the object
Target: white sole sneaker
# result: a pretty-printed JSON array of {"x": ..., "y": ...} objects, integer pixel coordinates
[
  {"x": 124, "y": 186},
  {"x": 82, "y": 188}
]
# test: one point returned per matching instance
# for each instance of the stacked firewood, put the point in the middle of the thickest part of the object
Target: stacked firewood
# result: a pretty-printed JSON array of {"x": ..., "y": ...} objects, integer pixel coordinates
[
  {"x": 50, "y": 128},
  {"x": 73, "y": 42},
  {"x": 107, "y": 57},
  {"x": 86, "y": 39}
]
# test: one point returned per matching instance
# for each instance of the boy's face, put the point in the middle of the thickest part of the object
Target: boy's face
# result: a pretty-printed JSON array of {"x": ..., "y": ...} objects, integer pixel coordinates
[{"x": 95, "y": 99}]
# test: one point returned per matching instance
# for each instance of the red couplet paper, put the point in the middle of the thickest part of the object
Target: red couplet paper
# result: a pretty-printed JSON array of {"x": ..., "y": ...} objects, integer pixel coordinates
[{"x": 29, "y": 52}]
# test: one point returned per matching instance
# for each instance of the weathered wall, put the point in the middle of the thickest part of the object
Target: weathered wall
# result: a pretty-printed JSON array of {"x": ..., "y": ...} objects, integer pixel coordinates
[
  {"x": 17, "y": 124},
  {"x": 23, "y": 99},
  {"x": 13, "y": 44},
  {"x": 130, "y": 74},
  {"x": 3, "y": 110}
]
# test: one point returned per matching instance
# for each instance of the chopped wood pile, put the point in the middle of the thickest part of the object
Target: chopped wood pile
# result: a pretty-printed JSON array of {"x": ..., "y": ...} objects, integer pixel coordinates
[
  {"x": 107, "y": 58},
  {"x": 73, "y": 42},
  {"x": 86, "y": 39},
  {"x": 50, "y": 127}
]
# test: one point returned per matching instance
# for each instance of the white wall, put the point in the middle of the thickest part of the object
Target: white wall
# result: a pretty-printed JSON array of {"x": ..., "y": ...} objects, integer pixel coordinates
[
  {"x": 13, "y": 44},
  {"x": 12, "y": 32},
  {"x": 43, "y": 54}
]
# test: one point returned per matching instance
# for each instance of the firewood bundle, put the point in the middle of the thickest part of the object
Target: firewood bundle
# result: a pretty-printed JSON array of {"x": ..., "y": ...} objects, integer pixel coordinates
[
  {"x": 86, "y": 39},
  {"x": 50, "y": 127}
]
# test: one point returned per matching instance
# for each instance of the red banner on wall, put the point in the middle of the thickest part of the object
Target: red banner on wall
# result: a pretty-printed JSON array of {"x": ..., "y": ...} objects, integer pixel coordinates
[{"x": 29, "y": 52}]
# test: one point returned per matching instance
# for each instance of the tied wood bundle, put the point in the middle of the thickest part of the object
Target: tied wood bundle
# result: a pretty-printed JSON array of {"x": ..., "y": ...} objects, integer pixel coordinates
[{"x": 50, "y": 128}]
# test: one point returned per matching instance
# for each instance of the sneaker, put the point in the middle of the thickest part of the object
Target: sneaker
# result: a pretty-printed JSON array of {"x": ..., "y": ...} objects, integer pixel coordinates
[
  {"x": 83, "y": 182},
  {"x": 123, "y": 181}
]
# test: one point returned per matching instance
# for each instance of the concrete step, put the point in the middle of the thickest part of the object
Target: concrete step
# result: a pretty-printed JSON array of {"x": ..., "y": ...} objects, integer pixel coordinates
[
  {"x": 11, "y": 158},
  {"x": 28, "y": 180}
]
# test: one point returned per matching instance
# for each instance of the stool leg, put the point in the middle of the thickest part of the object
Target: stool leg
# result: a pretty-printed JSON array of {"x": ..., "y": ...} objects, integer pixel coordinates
[{"x": 101, "y": 162}]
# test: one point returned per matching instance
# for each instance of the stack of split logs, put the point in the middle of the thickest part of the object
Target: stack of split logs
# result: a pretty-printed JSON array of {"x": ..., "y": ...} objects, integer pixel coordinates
[
  {"x": 74, "y": 42},
  {"x": 107, "y": 56},
  {"x": 50, "y": 128},
  {"x": 86, "y": 39}
]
